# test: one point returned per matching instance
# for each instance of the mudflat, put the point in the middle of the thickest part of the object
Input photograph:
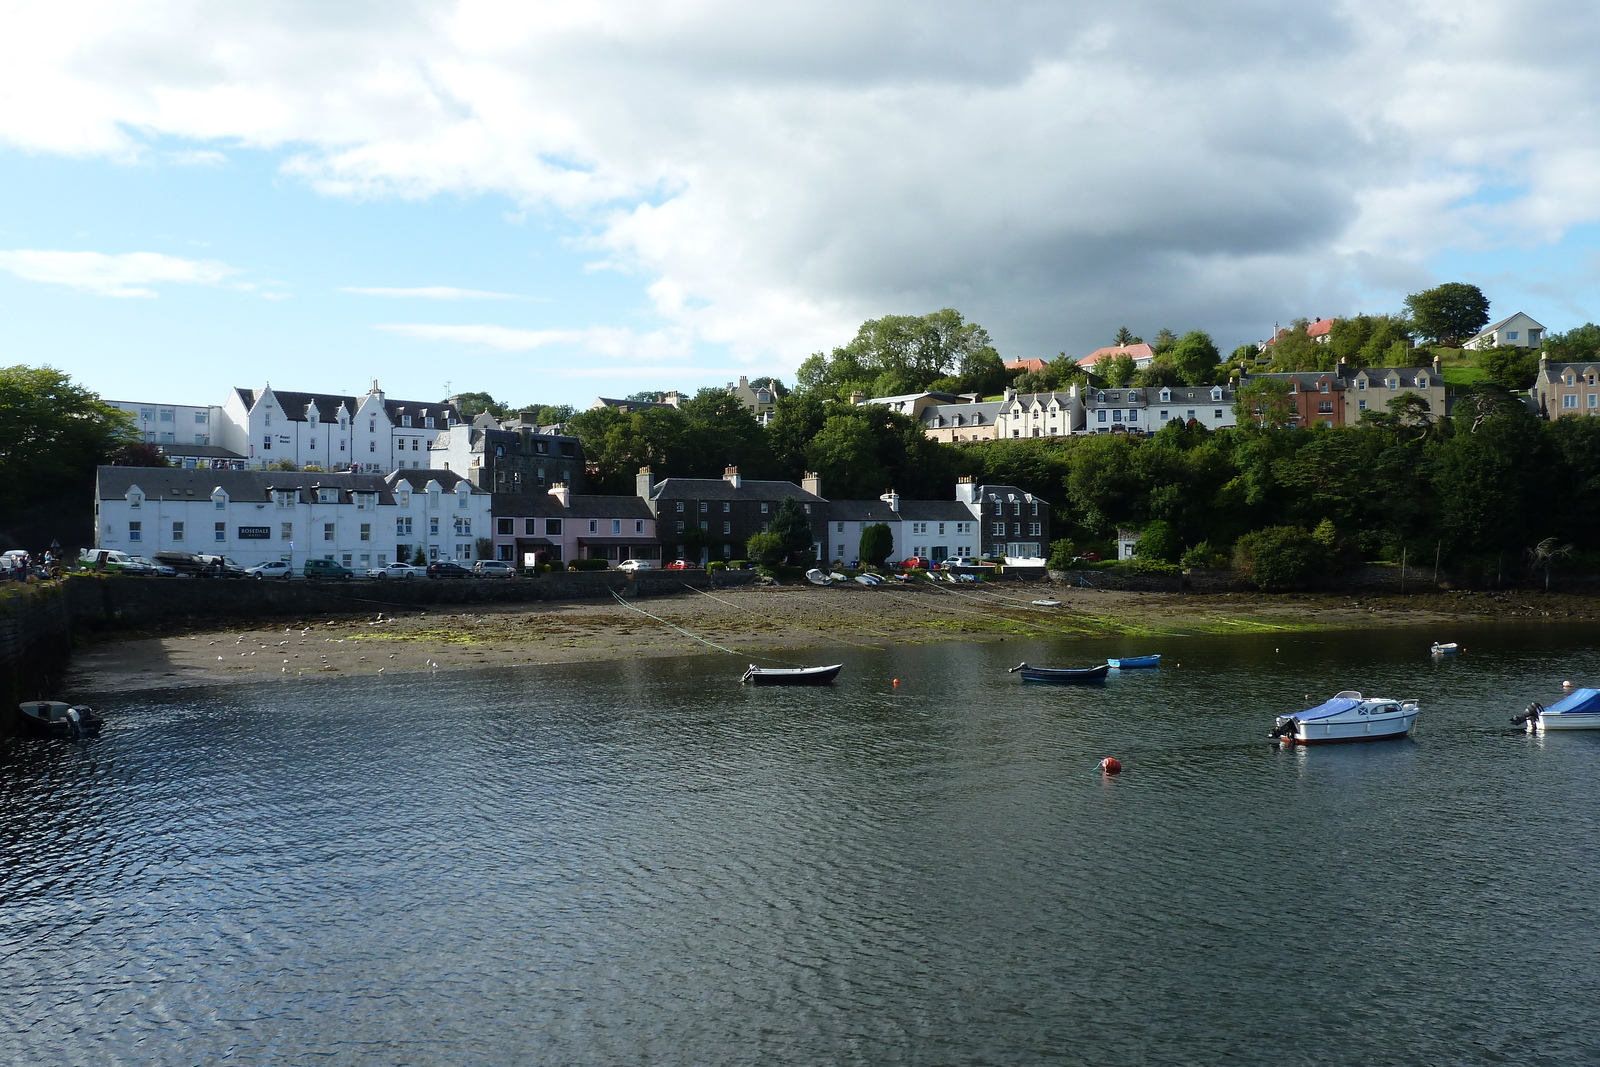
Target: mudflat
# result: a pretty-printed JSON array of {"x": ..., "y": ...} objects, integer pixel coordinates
[{"x": 751, "y": 620}]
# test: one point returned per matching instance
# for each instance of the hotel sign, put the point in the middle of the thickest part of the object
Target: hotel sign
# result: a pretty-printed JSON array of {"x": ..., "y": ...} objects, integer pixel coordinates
[{"x": 255, "y": 533}]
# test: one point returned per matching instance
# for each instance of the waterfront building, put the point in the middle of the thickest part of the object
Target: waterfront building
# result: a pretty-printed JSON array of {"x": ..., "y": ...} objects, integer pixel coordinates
[
  {"x": 369, "y": 435},
  {"x": 172, "y": 424},
  {"x": 559, "y": 526},
  {"x": 931, "y": 528},
  {"x": 702, "y": 519},
  {"x": 1011, "y": 522},
  {"x": 1372, "y": 388},
  {"x": 359, "y": 520},
  {"x": 522, "y": 460}
]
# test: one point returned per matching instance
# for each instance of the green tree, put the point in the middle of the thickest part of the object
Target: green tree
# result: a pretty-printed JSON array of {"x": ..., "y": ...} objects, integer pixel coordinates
[
  {"x": 1244, "y": 354},
  {"x": 1578, "y": 345},
  {"x": 1370, "y": 341},
  {"x": 877, "y": 541},
  {"x": 1165, "y": 341},
  {"x": 473, "y": 404},
  {"x": 902, "y": 354},
  {"x": 1295, "y": 349},
  {"x": 1448, "y": 313},
  {"x": 138, "y": 454},
  {"x": 1125, "y": 338},
  {"x": 1264, "y": 402},
  {"x": 1119, "y": 370},
  {"x": 765, "y": 548},
  {"x": 792, "y": 528},
  {"x": 1160, "y": 542},
  {"x": 1280, "y": 557},
  {"x": 1062, "y": 553},
  {"x": 1195, "y": 358}
]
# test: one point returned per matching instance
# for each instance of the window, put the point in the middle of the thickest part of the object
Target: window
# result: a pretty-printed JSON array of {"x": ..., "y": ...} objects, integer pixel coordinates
[
  {"x": 704, "y": 525},
  {"x": 1361, "y": 405},
  {"x": 594, "y": 525},
  {"x": 346, "y": 559},
  {"x": 366, "y": 531},
  {"x": 1594, "y": 401},
  {"x": 1216, "y": 413},
  {"x": 999, "y": 529},
  {"x": 286, "y": 531},
  {"x": 1035, "y": 528},
  {"x": 1570, "y": 400},
  {"x": 177, "y": 531},
  {"x": 727, "y": 527},
  {"x": 202, "y": 439},
  {"x": 341, "y": 444},
  {"x": 1325, "y": 406},
  {"x": 135, "y": 501},
  {"x": 327, "y": 531},
  {"x": 285, "y": 498},
  {"x": 680, "y": 507},
  {"x": 427, "y": 423},
  {"x": 841, "y": 527},
  {"x": 616, "y": 526},
  {"x": 372, "y": 446},
  {"x": 638, "y": 526},
  {"x": 704, "y": 507},
  {"x": 1394, "y": 383},
  {"x": 463, "y": 526},
  {"x": 327, "y": 496},
  {"x": 1189, "y": 414},
  {"x": 552, "y": 527},
  {"x": 726, "y": 507},
  {"x": 505, "y": 527},
  {"x": 764, "y": 504},
  {"x": 1361, "y": 383},
  {"x": 313, "y": 442},
  {"x": 402, "y": 526},
  {"x": 219, "y": 531},
  {"x": 135, "y": 531},
  {"x": 268, "y": 420},
  {"x": 680, "y": 526},
  {"x": 1165, "y": 417},
  {"x": 266, "y": 443},
  {"x": 1133, "y": 416},
  {"x": 405, "y": 420},
  {"x": 1511, "y": 335},
  {"x": 463, "y": 498},
  {"x": 147, "y": 414}
]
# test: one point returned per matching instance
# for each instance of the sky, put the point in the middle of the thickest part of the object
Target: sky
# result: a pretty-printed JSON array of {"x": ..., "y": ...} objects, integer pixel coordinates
[{"x": 554, "y": 201}]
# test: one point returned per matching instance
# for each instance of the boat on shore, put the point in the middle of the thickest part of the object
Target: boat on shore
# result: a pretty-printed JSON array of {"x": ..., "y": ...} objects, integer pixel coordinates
[
  {"x": 816, "y": 577},
  {"x": 57, "y": 718},
  {"x": 1349, "y": 716},
  {"x": 1068, "y": 675},
  {"x": 1131, "y": 663},
  {"x": 791, "y": 675},
  {"x": 1578, "y": 710},
  {"x": 1448, "y": 648},
  {"x": 1047, "y": 603}
]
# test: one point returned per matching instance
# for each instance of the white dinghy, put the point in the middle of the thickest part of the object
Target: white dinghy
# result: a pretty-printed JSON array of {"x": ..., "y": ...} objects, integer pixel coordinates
[{"x": 1349, "y": 716}]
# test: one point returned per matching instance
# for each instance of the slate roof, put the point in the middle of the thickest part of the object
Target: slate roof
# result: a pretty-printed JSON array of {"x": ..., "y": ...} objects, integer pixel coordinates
[
  {"x": 722, "y": 489},
  {"x": 935, "y": 511},
  {"x": 294, "y": 406},
  {"x": 418, "y": 477},
  {"x": 198, "y": 451},
  {"x": 860, "y": 511},
  {"x": 989, "y": 409},
  {"x": 176, "y": 483},
  {"x": 1407, "y": 375}
]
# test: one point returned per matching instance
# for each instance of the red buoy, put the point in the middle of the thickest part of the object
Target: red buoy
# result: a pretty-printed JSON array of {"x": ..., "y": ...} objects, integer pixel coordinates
[
  {"x": 897, "y": 683},
  {"x": 1110, "y": 765}
]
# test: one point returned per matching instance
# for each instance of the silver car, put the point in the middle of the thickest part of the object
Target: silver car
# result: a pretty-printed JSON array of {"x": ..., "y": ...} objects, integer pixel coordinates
[
  {"x": 397, "y": 570},
  {"x": 493, "y": 568},
  {"x": 277, "y": 568}
]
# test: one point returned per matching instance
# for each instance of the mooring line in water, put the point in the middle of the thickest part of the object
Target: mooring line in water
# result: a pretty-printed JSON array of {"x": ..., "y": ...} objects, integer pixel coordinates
[
  {"x": 674, "y": 626},
  {"x": 810, "y": 629}
]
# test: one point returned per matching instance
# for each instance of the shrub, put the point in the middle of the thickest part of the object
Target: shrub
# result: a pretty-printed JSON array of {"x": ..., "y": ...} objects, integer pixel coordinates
[
  {"x": 1280, "y": 557},
  {"x": 1203, "y": 557},
  {"x": 716, "y": 565},
  {"x": 1061, "y": 554},
  {"x": 588, "y": 565},
  {"x": 765, "y": 548},
  {"x": 1155, "y": 566},
  {"x": 877, "y": 541},
  {"x": 1159, "y": 542}
]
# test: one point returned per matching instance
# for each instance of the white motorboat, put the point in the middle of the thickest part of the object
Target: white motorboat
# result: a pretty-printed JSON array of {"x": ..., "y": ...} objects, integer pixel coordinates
[
  {"x": 1349, "y": 716},
  {"x": 1449, "y": 648},
  {"x": 1578, "y": 710},
  {"x": 816, "y": 577}
]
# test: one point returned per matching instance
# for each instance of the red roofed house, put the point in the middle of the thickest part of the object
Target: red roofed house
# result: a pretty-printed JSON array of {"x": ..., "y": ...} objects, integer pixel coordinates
[
  {"x": 1142, "y": 355},
  {"x": 1030, "y": 366},
  {"x": 1318, "y": 331}
]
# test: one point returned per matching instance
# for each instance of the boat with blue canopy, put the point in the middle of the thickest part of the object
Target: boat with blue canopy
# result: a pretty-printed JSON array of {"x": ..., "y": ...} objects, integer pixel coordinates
[
  {"x": 1578, "y": 710},
  {"x": 1130, "y": 663},
  {"x": 1349, "y": 716}
]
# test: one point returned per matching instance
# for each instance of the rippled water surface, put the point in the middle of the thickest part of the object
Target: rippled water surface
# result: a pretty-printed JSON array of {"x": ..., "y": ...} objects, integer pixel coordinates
[{"x": 646, "y": 863}]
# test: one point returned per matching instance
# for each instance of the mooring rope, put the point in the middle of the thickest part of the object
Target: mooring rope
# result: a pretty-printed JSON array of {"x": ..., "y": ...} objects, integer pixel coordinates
[
  {"x": 681, "y": 630},
  {"x": 829, "y": 634}
]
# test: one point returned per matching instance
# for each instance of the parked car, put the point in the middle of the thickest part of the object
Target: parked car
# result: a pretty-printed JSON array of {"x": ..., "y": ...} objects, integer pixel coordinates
[
  {"x": 493, "y": 568},
  {"x": 274, "y": 568},
  {"x": 681, "y": 565},
  {"x": 160, "y": 570},
  {"x": 102, "y": 559},
  {"x": 959, "y": 561},
  {"x": 396, "y": 570},
  {"x": 1089, "y": 557},
  {"x": 447, "y": 568},
  {"x": 631, "y": 565},
  {"x": 223, "y": 566},
  {"x": 918, "y": 562},
  {"x": 327, "y": 568},
  {"x": 185, "y": 563}
]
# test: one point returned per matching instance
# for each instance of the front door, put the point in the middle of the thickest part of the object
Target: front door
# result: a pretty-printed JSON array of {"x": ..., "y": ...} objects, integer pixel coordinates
[{"x": 940, "y": 552}]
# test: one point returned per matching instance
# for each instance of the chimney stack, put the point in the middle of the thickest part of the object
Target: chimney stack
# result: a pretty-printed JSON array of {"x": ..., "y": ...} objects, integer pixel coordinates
[
  {"x": 643, "y": 487},
  {"x": 562, "y": 493},
  {"x": 892, "y": 498},
  {"x": 811, "y": 482},
  {"x": 731, "y": 476}
]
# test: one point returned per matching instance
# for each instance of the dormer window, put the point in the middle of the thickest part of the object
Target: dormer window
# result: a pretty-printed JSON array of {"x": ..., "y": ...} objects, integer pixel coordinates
[
  {"x": 1216, "y": 392},
  {"x": 405, "y": 498},
  {"x": 1166, "y": 396},
  {"x": 1394, "y": 383},
  {"x": 405, "y": 420},
  {"x": 1568, "y": 379},
  {"x": 427, "y": 423},
  {"x": 1322, "y": 386},
  {"x": 1361, "y": 383},
  {"x": 1422, "y": 381},
  {"x": 136, "y": 501},
  {"x": 327, "y": 496},
  {"x": 311, "y": 416},
  {"x": 219, "y": 500}
]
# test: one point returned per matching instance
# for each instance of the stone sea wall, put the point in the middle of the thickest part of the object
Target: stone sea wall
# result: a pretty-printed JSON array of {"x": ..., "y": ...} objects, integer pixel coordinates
[{"x": 35, "y": 641}]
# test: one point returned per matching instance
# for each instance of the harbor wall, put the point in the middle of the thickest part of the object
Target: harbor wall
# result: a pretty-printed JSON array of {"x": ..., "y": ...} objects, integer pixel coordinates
[
  {"x": 35, "y": 642},
  {"x": 115, "y": 599}
]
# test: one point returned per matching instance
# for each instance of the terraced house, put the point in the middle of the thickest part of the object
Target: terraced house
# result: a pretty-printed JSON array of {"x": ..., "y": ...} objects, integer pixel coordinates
[
  {"x": 702, "y": 519},
  {"x": 1566, "y": 389}
]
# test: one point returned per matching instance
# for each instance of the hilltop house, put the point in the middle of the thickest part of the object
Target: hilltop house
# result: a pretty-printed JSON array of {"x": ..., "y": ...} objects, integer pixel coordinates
[
  {"x": 762, "y": 401},
  {"x": 1517, "y": 331}
]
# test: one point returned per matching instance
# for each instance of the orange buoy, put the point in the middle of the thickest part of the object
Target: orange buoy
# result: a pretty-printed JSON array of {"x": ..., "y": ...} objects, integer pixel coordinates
[
  {"x": 1110, "y": 765},
  {"x": 1566, "y": 685},
  {"x": 897, "y": 683}
]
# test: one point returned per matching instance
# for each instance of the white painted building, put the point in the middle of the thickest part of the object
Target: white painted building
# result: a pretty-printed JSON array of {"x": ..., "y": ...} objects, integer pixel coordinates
[
  {"x": 359, "y": 520},
  {"x": 1518, "y": 331},
  {"x": 1054, "y": 414},
  {"x": 172, "y": 424},
  {"x": 370, "y": 434},
  {"x": 930, "y": 528}
]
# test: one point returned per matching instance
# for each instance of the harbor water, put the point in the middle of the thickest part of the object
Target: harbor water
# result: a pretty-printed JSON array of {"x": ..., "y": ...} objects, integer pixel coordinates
[{"x": 645, "y": 863}]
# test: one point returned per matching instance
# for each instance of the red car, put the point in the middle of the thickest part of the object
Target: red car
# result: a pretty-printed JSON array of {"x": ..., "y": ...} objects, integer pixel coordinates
[
  {"x": 681, "y": 565},
  {"x": 919, "y": 562}
]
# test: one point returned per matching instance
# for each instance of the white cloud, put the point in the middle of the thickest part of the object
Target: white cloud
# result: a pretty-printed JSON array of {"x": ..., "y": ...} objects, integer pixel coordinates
[
  {"x": 1054, "y": 169},
  {"x": 429, "y": 292},
  {"x": 128, "y": 275}
]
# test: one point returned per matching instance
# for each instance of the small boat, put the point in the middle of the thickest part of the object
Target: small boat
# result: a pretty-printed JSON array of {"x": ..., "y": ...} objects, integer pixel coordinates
[
  {"x": 57, "y": 718},
  {"x": 1578, "y": 710},
  {"x": 1349, "y": 716},
  {"x": 816, "y": 577},
  {"x": 868, "y": 579},
  {"x": 1447, "y": 649},
  {"x": 1070, "y": 675},
  {"x": 791, "y": 675},
  {"x": 1047, "y": 603},
  {"x": 1130, "y": 663},
  {"x": 836, "y": 576}
]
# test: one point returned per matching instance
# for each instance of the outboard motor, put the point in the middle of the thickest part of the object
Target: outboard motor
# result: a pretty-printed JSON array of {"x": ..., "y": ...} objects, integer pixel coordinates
[
  {"x": 1531, "y": 716},
  {"x": 1287, "y": 728},
  {"x": 74, "y": 725}
]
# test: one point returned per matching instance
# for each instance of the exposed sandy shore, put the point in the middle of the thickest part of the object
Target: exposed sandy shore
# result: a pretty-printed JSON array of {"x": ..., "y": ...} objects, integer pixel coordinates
[{"x": 745, "y": 621}]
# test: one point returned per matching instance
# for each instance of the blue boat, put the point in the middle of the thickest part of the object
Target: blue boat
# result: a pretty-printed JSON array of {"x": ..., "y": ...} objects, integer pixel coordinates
[
  {"x": 1069, "y": 675},
  {"x": 1578, "y": 710},
  {"x": 1129, "y": 663}
]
